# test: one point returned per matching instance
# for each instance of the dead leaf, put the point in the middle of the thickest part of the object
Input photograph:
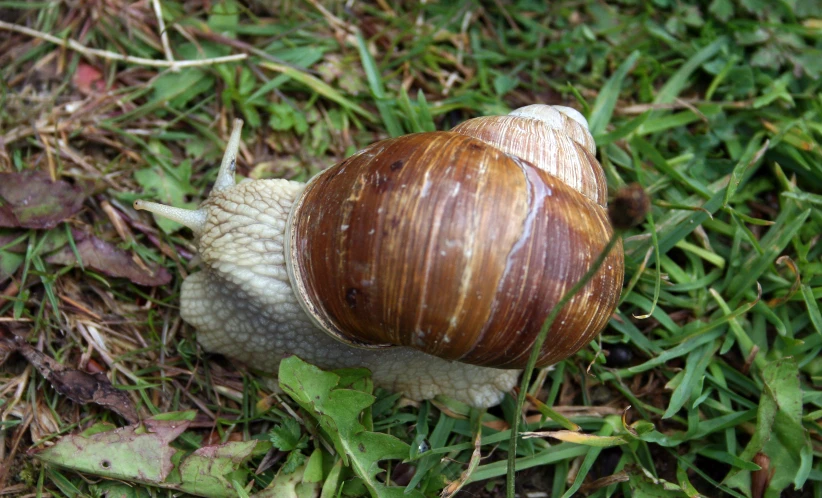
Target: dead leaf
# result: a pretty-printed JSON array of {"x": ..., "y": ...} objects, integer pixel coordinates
[
  {"x": 204, "y": 471},
  {"x": 88, "y": 79},
  {"x": 76, "y": 385},
  {"x": 29, "y": 199},
  {"x": 602, "y": 482},
  {"x": 760, "y": 479},
  {"x": 44, "y": 422},
  {"x": 454, "y": 486},
  {"x": 579, "y": 438},
  {"x": 110, "y": 260}
]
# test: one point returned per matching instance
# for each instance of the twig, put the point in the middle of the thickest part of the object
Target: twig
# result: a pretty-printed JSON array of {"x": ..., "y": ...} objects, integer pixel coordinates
[
  {"x": 689, "y": 104},
  {"x": 163, "y": 33},
  {"x": 105, "y": 54},
  {"x": 332, "y": 19}
]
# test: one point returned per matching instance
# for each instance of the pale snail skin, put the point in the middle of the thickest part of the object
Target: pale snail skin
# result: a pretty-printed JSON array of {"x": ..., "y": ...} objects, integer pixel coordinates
[{"x": 243, "y": 305}]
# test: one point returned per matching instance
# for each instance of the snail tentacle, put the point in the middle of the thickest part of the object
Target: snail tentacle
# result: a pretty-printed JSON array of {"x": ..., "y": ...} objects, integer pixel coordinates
[
  {"x": 225, "y": 177},
  {"x": 194, "y": 219}
]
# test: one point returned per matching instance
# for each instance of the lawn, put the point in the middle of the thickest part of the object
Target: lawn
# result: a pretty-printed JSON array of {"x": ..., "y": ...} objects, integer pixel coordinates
[{"x": 705, "y": 381}]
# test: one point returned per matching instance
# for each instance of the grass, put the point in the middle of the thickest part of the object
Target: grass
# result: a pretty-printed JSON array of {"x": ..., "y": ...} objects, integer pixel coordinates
[{"x": 714, "y": 108}]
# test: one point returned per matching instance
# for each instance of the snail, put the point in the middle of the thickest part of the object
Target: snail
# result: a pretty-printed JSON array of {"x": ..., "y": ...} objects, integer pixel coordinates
[{"x": 432, "y": 259}]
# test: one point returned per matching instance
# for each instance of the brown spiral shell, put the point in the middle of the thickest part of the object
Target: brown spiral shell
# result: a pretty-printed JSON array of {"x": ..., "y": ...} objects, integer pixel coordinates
[{"x": 448, "y": 244}]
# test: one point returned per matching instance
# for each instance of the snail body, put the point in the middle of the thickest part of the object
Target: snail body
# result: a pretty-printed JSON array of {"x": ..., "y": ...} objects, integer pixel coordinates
[{"x": 431, "y": 259}]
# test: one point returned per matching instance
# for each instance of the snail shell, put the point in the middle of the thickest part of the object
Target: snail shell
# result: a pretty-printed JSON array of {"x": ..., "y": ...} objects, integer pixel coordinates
[{"x": 460, "y": 243}]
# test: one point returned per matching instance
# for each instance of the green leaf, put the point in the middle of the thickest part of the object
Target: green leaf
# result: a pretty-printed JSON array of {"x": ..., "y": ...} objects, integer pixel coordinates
[
  {"x": 294, "y": 484},
  {"x": 779, "y": 432},
  {"x": 212, "y": 470},
  {"x": 779, "y": 235},
  {"x": 694, "y": 372},
  {"x": 332, "y": 481},
  {"x": 9, "y": 263},
  {"x": 288, "y": 436},
  {"x": 143, "y": 453},
  {"x": 224, "y": 17},
  {"x": 676, "y": 83},
  {"x": 679, "y": 80},
  {"x": 115, "y": 489},
  {"x": 504, "y": 83},
  {"x": 338, "y": 411},
  {"x": 814, "y": 312},
  {"x": 645, "y": 485},
  {"x": 180, "y": 88},
  {"x": 594, "y": 440},
  {"x": 753, "y": 153},
  {"x": 722, "y": 9},
  {"x": 294, "y": 460},
  {"x": 314, "y": 467},
  {"x": 64, "y": 484},
  {"x": 139, "y": 452},
  {"x": 284, "y": 117},
  {"x": 547, "y": 456}
]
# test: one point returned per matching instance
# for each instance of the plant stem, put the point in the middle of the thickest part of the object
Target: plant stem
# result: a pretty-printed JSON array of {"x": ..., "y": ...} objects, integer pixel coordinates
[{"x": 105, "y": 54}]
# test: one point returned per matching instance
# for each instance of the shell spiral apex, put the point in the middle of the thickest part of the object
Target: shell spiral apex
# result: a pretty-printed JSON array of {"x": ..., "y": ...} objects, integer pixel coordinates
[{"x": 555, "y": 141}]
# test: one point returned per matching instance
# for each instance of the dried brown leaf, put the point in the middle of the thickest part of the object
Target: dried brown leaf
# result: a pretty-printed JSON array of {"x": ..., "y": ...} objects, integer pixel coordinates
[
  {"x": 76, "y": 385},
  {"x": 761, "y": 479},
  {"x": 29, "y": 199},
  {"x": 110, "y": 260}
]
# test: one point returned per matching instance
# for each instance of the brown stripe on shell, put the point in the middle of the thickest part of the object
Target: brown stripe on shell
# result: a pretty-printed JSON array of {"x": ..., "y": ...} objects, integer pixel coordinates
[{"x": 562, "y": 153}]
